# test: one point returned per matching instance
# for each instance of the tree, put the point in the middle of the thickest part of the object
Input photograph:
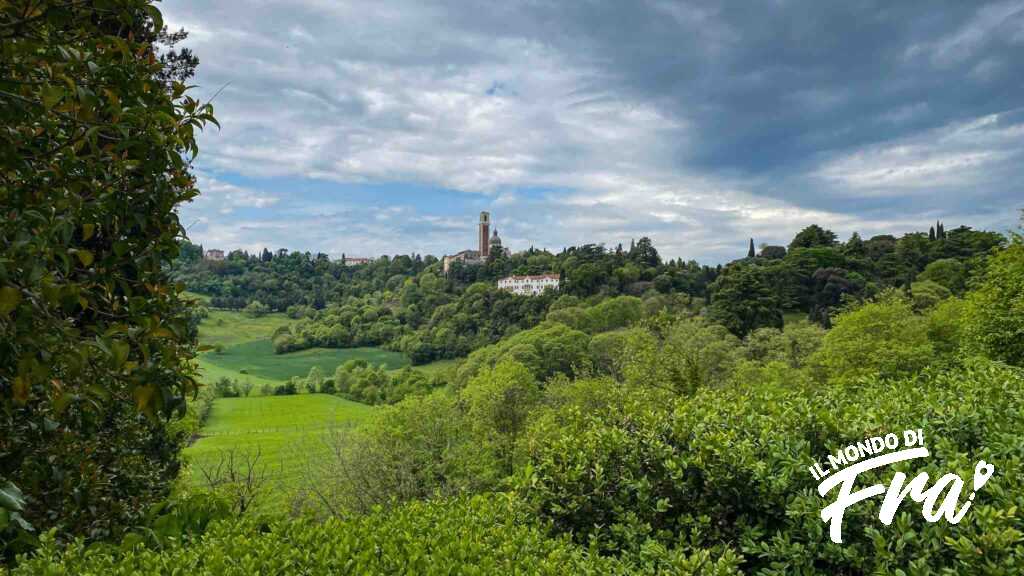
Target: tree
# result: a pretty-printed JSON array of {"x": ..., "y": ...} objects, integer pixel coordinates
[
  {"x": 883, "y": 338},
  {"x": 773, "y": 252},
  {"x": 644, "y": 253},
  {"x": 750, "y": 251},
  {"x": 96, "y": 352},
  {"x": 994, "y": 315},
  {"x": 257, "y": 309},
  {"x": 245, "y": 388},
  {"x": 830, "y": 285},
  {"x": 693, "y": 354},
  {"x": 792, "y": 345},
  {"x": 854, "y": 247},
  {"x": 813, "y": 236},
  {"x": 498, "y": 402},
  {"x": 948, "y": 272},
  {"x": 315, "y": 379},
  {"x": 743, "y": 300},
  {"x": 926, "y": 294}
]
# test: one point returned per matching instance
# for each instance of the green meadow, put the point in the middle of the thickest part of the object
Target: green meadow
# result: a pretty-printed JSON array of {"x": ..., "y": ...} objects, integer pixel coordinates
[
  {"x": 286, "y": 431},
  {"x": 257, "y": 358},
  {"x": 246, "y": 353}
]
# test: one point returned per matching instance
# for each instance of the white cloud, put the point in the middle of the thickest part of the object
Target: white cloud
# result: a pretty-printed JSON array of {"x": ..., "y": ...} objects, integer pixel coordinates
[
  {"x": 955, "y": 155},
  {"x": 369, "y": 92},
  {"x": 225, "y": 198}
]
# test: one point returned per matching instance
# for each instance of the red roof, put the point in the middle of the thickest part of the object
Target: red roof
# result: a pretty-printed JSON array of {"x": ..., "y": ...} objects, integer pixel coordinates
[{"x": 535, "y": 277}]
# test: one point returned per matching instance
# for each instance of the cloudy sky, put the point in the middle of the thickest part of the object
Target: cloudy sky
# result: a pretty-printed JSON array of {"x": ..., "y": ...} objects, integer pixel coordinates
[{"x": 384, "y": 127}]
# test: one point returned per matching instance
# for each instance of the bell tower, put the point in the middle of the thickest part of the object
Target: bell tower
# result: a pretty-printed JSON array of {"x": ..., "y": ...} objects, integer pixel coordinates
[{"x": 484, "y": 234}]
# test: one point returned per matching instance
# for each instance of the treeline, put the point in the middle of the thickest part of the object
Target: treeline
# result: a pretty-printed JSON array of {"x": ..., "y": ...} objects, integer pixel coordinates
[
  {"x": 816, "y": 274},
  {"x": 285, "y": 279},
  {"x": 355, "y": 380},
  {"x": 406, "y": 304}
]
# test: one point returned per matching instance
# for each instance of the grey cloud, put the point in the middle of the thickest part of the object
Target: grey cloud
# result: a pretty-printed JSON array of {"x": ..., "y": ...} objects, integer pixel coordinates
[{"x": 686, "y": 121}]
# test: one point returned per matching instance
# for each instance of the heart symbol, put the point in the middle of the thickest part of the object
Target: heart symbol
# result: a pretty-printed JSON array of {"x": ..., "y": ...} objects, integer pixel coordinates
[{"x": 982, "y": 472}]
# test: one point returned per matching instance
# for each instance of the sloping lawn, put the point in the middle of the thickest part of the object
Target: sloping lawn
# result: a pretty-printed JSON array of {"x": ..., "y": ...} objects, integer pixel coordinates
[
  {"x": 257, "y": 358},
  {"x": 287, "y": 431}
]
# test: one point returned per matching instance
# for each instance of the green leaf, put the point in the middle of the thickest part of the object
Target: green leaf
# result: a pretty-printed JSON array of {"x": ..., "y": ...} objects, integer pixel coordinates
[
  {"x": 11, "y": 497},
  {"x": 158, "y": 18},
  {"x": 52, "y": 95},
  {"x": 88, "y": 230},
  {"x": 119, "y": 350},
  {"x": 144, "y": 397},
  {"x": 85, "y": 257},
  {"x": 10, "y": 297},
  {"x": 21, "y": 386}
]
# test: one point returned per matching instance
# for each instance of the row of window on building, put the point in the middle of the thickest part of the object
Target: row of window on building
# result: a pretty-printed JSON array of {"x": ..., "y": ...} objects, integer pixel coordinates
[{"x": 529, "y": 285}]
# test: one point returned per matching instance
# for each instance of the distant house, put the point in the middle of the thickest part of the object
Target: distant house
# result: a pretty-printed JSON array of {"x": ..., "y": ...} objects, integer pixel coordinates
[
  {"x": 213, "y": 254},
  {"x": 529, "y": 285},
  {"x": 466, "y": 257},
  {"x": 353, "y": 261}
]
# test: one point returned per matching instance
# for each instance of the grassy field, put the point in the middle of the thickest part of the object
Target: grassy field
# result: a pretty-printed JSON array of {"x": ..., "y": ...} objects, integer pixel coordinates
[
  {"x": 436, "y": 366},
  {"x": 228, "y": 328},
  {"x": 287, "y": 431},
  {"x": 258, "y": 359},
  {"x": 247, "y": 353}
]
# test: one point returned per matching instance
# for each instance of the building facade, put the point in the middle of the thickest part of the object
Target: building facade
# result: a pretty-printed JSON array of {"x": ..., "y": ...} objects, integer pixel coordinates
[
  {"x": 214, "y": 254},
  {"x": 354, "y": 261},
  {"x": 529, "y": 285}
]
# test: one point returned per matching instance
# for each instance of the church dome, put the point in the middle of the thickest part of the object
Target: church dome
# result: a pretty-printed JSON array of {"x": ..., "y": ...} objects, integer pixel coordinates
[{"x": 495, "y": 239}]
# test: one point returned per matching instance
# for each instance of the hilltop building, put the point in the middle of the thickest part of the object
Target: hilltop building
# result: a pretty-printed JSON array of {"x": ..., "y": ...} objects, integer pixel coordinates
[
  {"x": 214, "y": 254},
  {"x": 529, "y": 285},
  {"x": 353, "y": 260},
  {"x": 487, "y": 244}
]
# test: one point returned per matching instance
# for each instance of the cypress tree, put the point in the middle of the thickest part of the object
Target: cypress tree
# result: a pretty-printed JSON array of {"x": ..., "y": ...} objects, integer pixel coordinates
[
  {"x": 750, "y": 251},
  {"x": 931, "y": 233}
]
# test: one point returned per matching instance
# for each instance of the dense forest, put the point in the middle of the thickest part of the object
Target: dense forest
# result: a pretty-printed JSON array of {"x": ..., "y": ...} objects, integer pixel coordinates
[{"x": 405, "y": 303}]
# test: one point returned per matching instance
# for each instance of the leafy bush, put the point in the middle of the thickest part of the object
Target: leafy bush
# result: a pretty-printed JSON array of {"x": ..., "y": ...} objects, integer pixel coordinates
[
  {"x": 483, "y": 535},
  {"x": 926, "y": 294},
  {"x": 881, "y": 338},
  {"x": 691, "y": 354},
  {"x": 994, "y": 318},
  {"x": 225, "y": 387},
  {"x": 726, "y": 469},
  {"x": 792, "y": 345},
  {"x": 289, "y": 388},
  {"x": 95, "y": 159},
  {"x": 549, "y": 349}
]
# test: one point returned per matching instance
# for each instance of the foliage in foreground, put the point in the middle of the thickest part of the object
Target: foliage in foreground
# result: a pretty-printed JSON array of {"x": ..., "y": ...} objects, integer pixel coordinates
[
  {"x": 94, "y": 158},
  {"x": 727, "y": 468},
  {"x": 480, "y": 535}
]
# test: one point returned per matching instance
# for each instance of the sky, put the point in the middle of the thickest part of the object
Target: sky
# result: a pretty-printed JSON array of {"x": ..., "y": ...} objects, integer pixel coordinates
[{"x": 384, "y": 127}]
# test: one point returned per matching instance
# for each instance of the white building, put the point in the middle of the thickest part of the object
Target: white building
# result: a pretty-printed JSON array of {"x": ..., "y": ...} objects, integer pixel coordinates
[
  {"x": 214, "y": 254},
  {"x": 529, "y": 285},
  {"x": 355, "y": 261}
]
